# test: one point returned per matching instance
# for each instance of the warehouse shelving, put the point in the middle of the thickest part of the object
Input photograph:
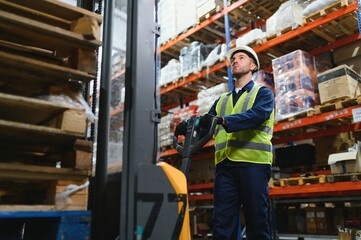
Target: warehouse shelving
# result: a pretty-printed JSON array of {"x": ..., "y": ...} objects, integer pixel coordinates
[
  {"x": 324, "y": 123},
  {"x": 313, "y": 190},
  {"x": 330, "y": 31},
  {"x": 345, "y": 18}
]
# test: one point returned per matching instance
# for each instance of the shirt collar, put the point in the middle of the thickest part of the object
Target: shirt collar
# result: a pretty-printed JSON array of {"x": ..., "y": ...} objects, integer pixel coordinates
[{"x": 248, "y": 87}]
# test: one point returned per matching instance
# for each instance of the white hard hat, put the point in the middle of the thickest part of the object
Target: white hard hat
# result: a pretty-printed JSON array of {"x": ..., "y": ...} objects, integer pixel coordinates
[{"x": 230, "y": 53}]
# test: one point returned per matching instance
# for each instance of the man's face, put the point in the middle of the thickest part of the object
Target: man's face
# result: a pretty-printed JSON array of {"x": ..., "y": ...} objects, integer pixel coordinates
[{"x": 242, "y": 64}]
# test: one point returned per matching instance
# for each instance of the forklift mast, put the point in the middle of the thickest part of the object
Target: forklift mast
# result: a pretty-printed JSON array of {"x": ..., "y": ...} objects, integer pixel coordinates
[
  {"x": 141, "y": 113},
  {"x": 154, "y": 198}
]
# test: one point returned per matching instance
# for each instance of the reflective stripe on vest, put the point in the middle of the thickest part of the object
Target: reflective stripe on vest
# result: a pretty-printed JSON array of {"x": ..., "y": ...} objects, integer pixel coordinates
[
  {"x": 222, "y": 112},
  {"x": 244, "y": 144}
]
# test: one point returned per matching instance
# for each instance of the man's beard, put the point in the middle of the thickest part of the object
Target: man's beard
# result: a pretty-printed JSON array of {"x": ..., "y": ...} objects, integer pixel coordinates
[{"x": 237, "y": 74}]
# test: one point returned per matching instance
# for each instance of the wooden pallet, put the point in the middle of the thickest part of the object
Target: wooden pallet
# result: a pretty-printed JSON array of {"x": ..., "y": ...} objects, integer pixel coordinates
[
  {"x": 347, "y": 177},
  {"x": 39, "y": 112},
  {"x": 70, "y": 157},
  {"x": 37, "y": 145},
  {"x": 298, "y": 181},
  {"x": 49, "y": 36},
  {"x": 280, "y": 32},
  {"x": 295, "y": 116},
  {"x": 328, "y": 9},
  {"x": 337, "y": 104},
  {"x": 43, "y": 195},
  {"x": 210, "y": 13},
  {"x": 57, "y": 14}
]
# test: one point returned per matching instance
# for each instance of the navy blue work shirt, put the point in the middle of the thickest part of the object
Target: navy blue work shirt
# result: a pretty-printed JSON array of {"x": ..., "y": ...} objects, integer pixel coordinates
[{"x": 260, "y": 112}]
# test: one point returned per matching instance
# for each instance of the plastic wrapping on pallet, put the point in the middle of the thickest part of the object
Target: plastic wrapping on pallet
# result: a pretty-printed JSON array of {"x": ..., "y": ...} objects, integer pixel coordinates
[
  {"x": 250, "y": 37},
  {"x": 175, "y": 17},
  {"x": 190, "y": 58},
  {"x": 165, "y": 131},
  {"x": 264, "y": 78},
  {"x": 186, "y": 14},
  {"x": 316, "y": 6},
  {"x": 193, "y": 56},
  {"x": 184, "y": 114},
  {"x": 288, "y": 15},
  {"x": 296, "y": 89},
  {"x": 215, "y": 55},
  {"x": 167, "y": 10},
  {"x": 207, "y": 97},
  {"x": 170, "y": 72}
]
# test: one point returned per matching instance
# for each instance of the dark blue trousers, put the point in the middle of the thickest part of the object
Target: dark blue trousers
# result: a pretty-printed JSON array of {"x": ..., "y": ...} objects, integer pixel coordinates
[{"x": 246, "y": 185}]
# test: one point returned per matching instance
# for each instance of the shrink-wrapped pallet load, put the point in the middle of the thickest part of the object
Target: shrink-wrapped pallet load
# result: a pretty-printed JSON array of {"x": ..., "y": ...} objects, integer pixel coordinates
[
  {"x": 264, "y": 78},
  {"x": 165, "y": 131},
  {"x": 251, "y": 36},
  {"x": 289, "y": 15},
  {"x": 170, "y": 72},
  {"x": 207, "y": 97},
  {"x": 296, "y": 88}
]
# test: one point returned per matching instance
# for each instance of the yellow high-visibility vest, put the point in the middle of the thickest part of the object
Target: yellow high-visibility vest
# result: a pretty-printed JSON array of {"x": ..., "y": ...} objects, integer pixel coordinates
[{"x": 250, "y": 145}]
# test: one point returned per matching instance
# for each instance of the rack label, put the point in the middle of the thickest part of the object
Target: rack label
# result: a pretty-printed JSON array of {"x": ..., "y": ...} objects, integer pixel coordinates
[{"x": 356, "y": 114}]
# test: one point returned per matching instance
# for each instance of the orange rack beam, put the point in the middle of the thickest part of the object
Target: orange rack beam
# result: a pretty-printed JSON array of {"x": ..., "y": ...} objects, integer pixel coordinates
[
  {"x": 305, "y": 28},
  {"x": 193, "y": 77},
  {"x": 200, "y": 186},
  {"x": 317, "y": 134},
  {"x": 323, "y": 117},
  {"x": 321, "y": 189},
  {"x": 201, "y": 197}
]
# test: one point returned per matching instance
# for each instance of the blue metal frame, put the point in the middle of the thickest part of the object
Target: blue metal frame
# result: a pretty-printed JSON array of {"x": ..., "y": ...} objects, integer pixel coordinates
[
  {"x": 359, "y": 15},
  {"x": 59, "y": 225},
  {"x": 228, "y": 41},
  {"x": 37, "y": 214}
]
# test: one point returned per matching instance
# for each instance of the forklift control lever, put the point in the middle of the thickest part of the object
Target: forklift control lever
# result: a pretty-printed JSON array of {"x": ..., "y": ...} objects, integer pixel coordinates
[{"x": 192, "y": 141}]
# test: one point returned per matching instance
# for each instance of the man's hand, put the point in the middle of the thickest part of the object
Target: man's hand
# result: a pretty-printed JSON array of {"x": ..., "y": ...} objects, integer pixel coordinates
[
  {"x": 181, "y": 129},
  {"x": 206, "y": 120}
]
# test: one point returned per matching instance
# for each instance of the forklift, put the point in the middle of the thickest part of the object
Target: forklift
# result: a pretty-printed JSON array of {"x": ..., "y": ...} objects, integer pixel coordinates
[
  {"x": 162, "y": 198},
  {"x": 154, "y": 198}
]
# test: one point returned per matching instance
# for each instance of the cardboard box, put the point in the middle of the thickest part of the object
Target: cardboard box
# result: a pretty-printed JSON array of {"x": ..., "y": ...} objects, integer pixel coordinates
[
  {"x": 345, "y": 162},
  {"x": 338, "y": 82},
  {"x": 311, "y": 226},
  {"x": 323, "y": 220}
]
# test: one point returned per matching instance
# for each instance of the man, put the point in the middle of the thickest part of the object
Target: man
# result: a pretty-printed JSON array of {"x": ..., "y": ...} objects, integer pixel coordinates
[{"x": 243, "y": 151}]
